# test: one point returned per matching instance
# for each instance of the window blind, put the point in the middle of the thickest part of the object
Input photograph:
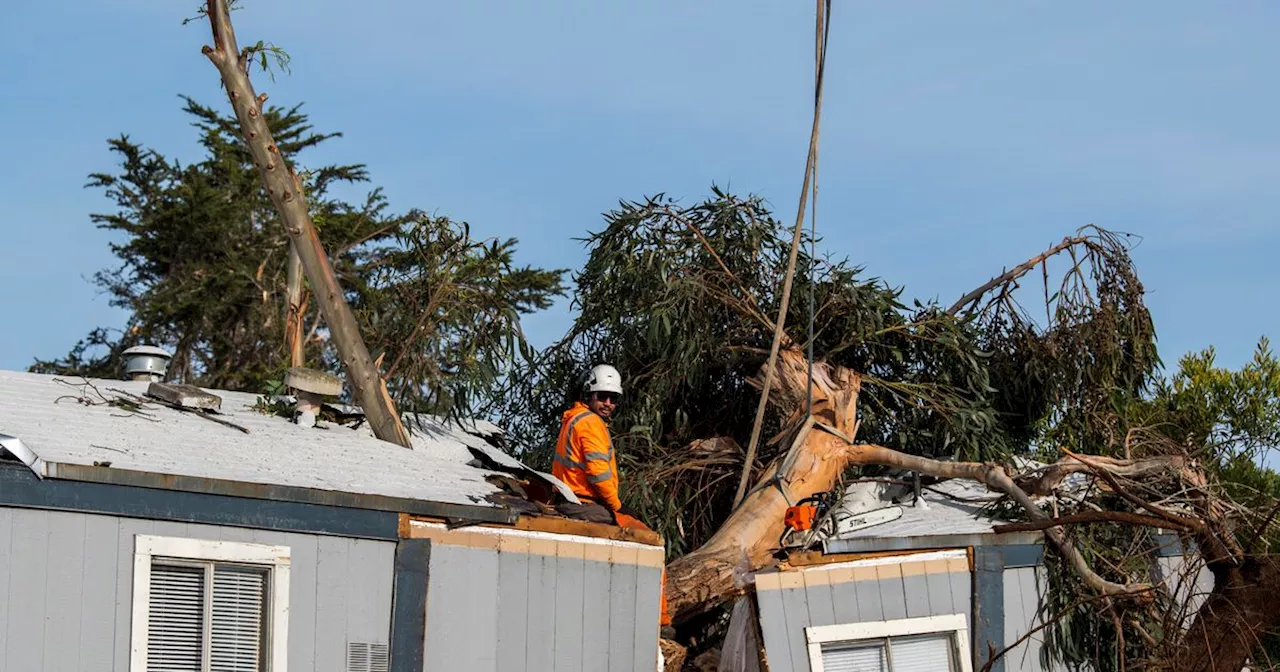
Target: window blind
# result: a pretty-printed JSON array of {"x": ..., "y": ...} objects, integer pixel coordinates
[
  {"x": 237, "y": 624},
  {"x": 176, "y": 634},
  {"x": 849, "y": 657},
  {"x": 207, "y": 617},
  {"x": 928, "y": 653}
]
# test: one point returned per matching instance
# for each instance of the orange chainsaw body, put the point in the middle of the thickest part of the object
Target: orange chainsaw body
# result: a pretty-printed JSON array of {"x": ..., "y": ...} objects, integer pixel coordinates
[{"x": 801, "y": 516}]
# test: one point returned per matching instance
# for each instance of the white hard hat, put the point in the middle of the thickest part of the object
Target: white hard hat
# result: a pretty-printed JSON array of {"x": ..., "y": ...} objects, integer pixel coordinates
[{"x": 603, "y": 378}]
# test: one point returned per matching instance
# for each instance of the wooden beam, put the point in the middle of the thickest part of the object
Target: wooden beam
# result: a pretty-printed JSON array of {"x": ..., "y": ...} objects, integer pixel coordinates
[
  {"x": 811, "y": 558},
  {"x": 565, "y": 526}
]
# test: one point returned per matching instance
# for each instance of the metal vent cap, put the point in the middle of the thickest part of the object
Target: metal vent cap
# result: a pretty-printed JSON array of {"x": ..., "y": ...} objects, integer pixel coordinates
[{"x": 143, "y": 361}]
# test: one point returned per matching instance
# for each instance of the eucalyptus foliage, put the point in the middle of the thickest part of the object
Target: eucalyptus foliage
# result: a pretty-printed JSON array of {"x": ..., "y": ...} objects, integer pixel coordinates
[
  {"x": 1229, "y": 420},
  {"x": 681, "y": 298}
]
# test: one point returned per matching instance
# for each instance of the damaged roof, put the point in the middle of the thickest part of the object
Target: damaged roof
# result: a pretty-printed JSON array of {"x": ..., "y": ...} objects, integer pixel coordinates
[
  {"x": 949, "y": 514},
  {"x": 65, "y": 428}
]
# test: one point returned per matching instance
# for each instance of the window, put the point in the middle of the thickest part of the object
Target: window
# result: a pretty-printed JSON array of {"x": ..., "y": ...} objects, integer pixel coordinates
[
  {"x": 209, "y": 606},
  {"x": 930, "y": 644}
]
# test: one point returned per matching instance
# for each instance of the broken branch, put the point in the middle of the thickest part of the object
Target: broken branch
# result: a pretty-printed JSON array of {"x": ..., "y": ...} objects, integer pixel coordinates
[
  {"x": 1015, "y": 273},
  {"x": 1086, "y": 517}
]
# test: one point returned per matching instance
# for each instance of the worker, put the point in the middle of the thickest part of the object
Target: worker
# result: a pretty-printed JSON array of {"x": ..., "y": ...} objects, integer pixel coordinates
[
  {"x": 585, "y": 461},
  {"x": 584, "y": 457}
]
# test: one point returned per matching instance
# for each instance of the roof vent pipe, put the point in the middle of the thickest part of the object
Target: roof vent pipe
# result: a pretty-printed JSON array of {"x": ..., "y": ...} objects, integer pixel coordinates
[
  {"x": 312, "y": 387},
  {"x": 146, "y": 362}
]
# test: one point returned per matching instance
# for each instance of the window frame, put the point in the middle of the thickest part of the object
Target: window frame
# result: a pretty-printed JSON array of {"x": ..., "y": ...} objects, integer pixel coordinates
[
  {"x": 956, "y": 625},
  {"x": 276, "y": 559}
]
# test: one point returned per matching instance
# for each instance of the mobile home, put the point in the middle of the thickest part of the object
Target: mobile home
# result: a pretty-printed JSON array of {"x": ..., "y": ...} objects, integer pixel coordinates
[{"x": 138, "y": 534}]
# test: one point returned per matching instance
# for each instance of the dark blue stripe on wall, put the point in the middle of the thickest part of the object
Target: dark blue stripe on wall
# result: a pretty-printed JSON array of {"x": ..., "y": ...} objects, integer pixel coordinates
[
  {"x": 409, "y": 605},
  {"x": 1023, "y": 555},
  {"x": 1170, "y": 545},
  {"x": 988, "y": 606},
  {"x": 21, "y": 488}
]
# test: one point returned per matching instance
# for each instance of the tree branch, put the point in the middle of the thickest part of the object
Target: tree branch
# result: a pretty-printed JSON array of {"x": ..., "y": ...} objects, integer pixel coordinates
[
  {"x": 1087, "y": 517},
  {"x": 1042, "y": 482},
  {"x": 1015, "y": 272},
  {"x": 995, "y": 478}
]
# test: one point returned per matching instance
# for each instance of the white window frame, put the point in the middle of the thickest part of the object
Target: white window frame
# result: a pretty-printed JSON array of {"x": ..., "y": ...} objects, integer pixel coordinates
[
  {"x": 957, "y": 625},
  {"x": 275, "y": 558}
]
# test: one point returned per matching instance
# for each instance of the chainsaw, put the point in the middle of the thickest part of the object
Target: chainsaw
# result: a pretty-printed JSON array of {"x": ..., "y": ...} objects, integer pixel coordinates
[
  {"x": 817, "y": 515},
  {"x": 805, "y": 519}
]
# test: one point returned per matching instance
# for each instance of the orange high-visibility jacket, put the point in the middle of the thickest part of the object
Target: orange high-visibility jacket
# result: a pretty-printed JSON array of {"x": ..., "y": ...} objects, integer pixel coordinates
[{"x": 584, "y": 457}]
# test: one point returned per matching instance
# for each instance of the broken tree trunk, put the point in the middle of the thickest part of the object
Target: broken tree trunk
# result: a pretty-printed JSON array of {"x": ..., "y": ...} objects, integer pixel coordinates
[
  {"x": 821, "y": 450},
  {"x": 286, "y": 195},
  {"x": 716, "y": 572},
  {"x": 294, "y": 310}
]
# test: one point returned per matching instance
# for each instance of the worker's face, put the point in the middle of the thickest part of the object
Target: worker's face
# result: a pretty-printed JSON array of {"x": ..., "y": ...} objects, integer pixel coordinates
[{"x": 603, "y": 403}]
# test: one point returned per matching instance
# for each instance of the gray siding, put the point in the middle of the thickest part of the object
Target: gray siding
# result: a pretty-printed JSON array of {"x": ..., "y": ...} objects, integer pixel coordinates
[
  {"x": 1188, "y": 580},
  {"x": 815, "y": 597},
  {"x": 1023, "y": 589},
  {"x": 66, "y": 590},
  {"x": 491, "y": 610}
]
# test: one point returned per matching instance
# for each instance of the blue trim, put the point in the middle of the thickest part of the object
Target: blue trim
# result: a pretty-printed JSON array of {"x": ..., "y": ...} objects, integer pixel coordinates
[
  {"x": 21, "y": 488},
  {"x": 988, "y": 605},
  {"x": 1171, "y": 546},
  {"x": 408, "y": 605},
  {"x": 1023, "y": 555}
]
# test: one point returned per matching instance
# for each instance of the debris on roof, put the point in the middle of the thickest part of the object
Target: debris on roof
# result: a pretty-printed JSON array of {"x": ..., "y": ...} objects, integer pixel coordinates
[
  {"x": 186, "y": 396},
  {"x": 61, "y": 421},
  {"x": 885, "y": 514}
]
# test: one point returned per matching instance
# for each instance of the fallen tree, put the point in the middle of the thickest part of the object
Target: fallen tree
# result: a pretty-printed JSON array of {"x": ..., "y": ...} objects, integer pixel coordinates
[
  {"x": 947, "y": 393},
  {"x": 822, "y": 451}
]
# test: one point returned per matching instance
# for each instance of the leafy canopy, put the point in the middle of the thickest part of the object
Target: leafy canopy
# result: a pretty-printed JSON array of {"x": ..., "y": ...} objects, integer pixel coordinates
[
  {"x": 203, "y": 259},
  {"x": 681, "y": 299}
]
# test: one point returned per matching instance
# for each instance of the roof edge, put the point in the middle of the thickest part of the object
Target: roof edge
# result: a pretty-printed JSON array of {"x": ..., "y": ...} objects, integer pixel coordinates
[
  {"x": 18, "y": 449},
  {"x": 878, "y": 544},
  {"x": 285, "y": 493}
]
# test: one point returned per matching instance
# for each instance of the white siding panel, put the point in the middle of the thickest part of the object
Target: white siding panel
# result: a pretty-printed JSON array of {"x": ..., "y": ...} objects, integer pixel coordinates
[
  {"x": 63, "y": 592},
  {"x": 773, "y": 625},
  {"x": 98, "y": 591},
  {"x": 6, "y": 575},
  {"x": 71, "y": 583},
  {"x": 595, "y": 615},
  {"x": 541, "y": 631},
  {"x": 570, "y": 596},
  {"x": 622, "y": 617},
  {"x": 513, "y": 610},
  {"x": 786, "y": 612}
]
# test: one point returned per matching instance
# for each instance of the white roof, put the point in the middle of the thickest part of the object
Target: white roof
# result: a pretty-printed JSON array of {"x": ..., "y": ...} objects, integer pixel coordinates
[
  {"x": 950, "y": 513},
  {"x": 43, "y": 413}
]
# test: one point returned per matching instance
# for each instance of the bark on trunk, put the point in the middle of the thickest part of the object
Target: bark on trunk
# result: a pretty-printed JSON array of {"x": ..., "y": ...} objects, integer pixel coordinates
[
  {"x": 294, "y": 311},
  {"x": 673, "y": 655},
  {"x": 285, "y": 193},
  {"x": 1228, "y": 625},
  {"x": 718, "y": 570}
]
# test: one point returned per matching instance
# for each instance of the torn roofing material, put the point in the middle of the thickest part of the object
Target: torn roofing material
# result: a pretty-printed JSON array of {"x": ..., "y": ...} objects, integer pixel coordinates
[
  {"x": 67, "y": 429},
  {"x": 951, "y": 513}
]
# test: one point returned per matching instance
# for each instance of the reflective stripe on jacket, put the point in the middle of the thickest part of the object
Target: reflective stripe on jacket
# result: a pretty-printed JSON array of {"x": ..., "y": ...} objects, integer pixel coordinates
[{"x": 584, "y": 457}]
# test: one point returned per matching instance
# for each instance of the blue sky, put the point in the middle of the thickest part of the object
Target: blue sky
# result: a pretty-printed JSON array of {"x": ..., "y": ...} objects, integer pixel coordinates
[{"x": 958, "y": 137}]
